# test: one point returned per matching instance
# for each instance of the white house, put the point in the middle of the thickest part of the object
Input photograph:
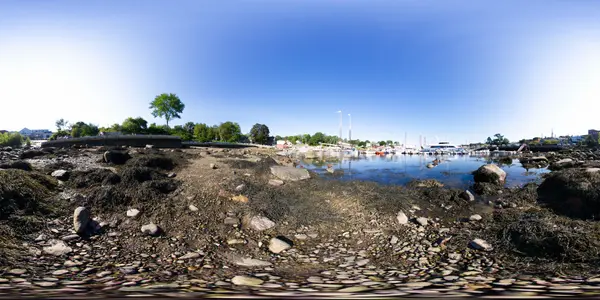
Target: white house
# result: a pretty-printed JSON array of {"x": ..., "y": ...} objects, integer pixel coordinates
[{"x": 36, "y": 134}]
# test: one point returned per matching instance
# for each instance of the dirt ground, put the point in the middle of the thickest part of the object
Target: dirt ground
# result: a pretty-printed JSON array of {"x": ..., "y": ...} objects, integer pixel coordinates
[{"x": 202, "y": 199}]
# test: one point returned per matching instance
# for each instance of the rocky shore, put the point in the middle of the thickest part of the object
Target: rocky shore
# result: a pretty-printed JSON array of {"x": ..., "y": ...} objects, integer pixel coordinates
[{"x": 238, "y": 221}]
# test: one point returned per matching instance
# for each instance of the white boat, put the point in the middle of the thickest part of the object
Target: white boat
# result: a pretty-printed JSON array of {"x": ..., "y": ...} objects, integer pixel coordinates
[
  {"x": 410, "y": 151},
  {"x": 444, "y": 148},
  {"x": 370, "y": 152}
]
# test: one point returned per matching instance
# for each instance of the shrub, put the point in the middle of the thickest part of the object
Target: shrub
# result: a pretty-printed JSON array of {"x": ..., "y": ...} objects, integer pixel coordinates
[{"x": 11, "y": 139}]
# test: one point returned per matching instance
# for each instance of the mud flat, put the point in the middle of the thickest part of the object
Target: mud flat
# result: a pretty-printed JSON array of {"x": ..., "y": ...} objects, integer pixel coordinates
[{"x": 149, "y": 221}]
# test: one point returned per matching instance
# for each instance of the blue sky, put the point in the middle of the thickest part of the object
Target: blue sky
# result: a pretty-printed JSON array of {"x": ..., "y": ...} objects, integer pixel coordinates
[{"x": 451, "y": 70}]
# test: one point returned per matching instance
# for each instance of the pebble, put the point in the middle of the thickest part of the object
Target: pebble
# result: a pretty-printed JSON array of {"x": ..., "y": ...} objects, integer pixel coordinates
[
  {"x": 402, "y": 218},
  {"x": 150, "y": 229},
  {"x": 277, "y": 245},
  {"x": 480, "y": 244},
  {"x": 475, "y": 218},
  {"x": 70, "y": 237},
  {"x": 422, "y": 221},
  {"x": 190, "y": 255},
  {"x": 193, "y": 208},
  {"x": 17, "y": 271},
  {"x": 60, "y": 272},
  {"x": 132, "y": 213},
  {"x": 246, "y": 280}
]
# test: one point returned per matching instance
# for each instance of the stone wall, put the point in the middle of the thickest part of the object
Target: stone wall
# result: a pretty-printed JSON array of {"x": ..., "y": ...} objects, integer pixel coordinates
[{"x": 157, "y": 141}]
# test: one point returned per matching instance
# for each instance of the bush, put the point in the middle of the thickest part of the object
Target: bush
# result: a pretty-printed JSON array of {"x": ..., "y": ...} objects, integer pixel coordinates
[
  {"x": 60, "y": 133},
  {"x": 11, "y": 139}
]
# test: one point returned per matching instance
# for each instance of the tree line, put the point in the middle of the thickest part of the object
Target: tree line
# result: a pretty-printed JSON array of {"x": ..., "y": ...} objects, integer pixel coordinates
[
  {"x": 319, "y": 138},
  {"x": 169, "y": 107}
]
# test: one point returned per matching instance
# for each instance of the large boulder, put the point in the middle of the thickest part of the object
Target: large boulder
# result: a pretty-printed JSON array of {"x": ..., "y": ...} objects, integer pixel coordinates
[
  {"x": 31, "y": 154},
  {"x": 572, "y": 192},
  {"x": 81, "y": 219},
  {"x": 289, "y": 173},
  {"x": 17, "y": 164},
  {"x": 116, "y": 157},
  {"x": 490, "y": 173},
  {"x": 562, "y": 164}
]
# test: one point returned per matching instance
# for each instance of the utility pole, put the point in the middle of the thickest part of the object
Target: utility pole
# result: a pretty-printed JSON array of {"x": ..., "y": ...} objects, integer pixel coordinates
[
  {"x": 340, "y": 112},
  {"x": 350, "y": 128}
]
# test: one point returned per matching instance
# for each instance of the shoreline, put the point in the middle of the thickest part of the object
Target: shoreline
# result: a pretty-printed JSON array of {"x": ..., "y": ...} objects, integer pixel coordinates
[{"x": 213, "y": 209}]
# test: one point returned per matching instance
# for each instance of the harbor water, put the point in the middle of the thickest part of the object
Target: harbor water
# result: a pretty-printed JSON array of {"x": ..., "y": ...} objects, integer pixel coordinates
[{"x": 453, "y": 171}]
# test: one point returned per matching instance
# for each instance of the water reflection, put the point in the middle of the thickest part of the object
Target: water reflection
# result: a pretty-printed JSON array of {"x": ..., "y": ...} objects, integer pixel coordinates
[{"x": 453, "y": 171}]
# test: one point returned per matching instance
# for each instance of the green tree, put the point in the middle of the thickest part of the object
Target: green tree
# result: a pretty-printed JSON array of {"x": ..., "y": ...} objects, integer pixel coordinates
[
  {"x": 389, "y": 142},
  {"x": 58, "y": 134},
  {"x": 489, "y": 141},
  {"x": 167, "y": 106},
  {"x": 134, "y": 126},
  {"x": 316, "y": 139},
  {"x": 60, "y": 124},
  {"x": 189, "y": 127},
  {"x": 230, "y": 132},
  {"x": 81, "y": 129},
  {"x": 11, "y": 139},
  {"x": 158, "y": 129},
  {"x": 306, "y": 138},
  {"x": 381, "y": 143},
  {"x": 182, "y": 132},
  {"x": 75, "y": 132},
  {"x": 500, "y": 140},
  {"x": 259, "y": 134},
  {"x": 278, "y": 138},
  {"x": 204, "y": 133}
]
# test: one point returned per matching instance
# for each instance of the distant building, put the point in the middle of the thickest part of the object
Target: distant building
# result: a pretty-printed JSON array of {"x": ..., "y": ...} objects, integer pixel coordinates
[
  {"x": 577, "y": 139},
  {"x": 283, "y": 144},
  {"x": 36, "y": 134},
  {"x": 594, "y": 134}
]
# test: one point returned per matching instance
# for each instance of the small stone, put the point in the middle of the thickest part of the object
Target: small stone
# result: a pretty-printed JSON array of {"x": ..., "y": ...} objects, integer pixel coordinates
[
  {"x": 240, "y": 187},
  {"x": 301, "y": 236},
  {"x": 259, "y": 223},
  {"x": 251, "y": 262},
  {"x": 46, "y": 284},
  {"x": 193, "y": 207},
  {"x": 171, "y": 175},
  {"x": 17, "y": 271},
  {"x": 354, "y": 289},
  {"x": 150, "y": 229},
  {"x": 475, "y": 218},
  {"x": 277, "y": 245},
  {"x": 57, "y": 248},
  {"x": 480, "y": 245},
  {"x": 394, "y": 240},
  {"x": 81, "y": 219},
  {"x": 231, "y": 221},
  {"x": 60, "y": 272},
  {"x": 240, "y": 199},
  {"x": 276, "y": 182},
  {"x": 467, "y": 195},
  {"x": 60, "y": 174},
  {"x": 246, "y": 280},
  {"x": 190, "y": 255},
  {"x": 70, "y": 264},
  {"x": 132, "y": 213},
  {"x": 235, "y": 241},
  {"x": 213, "y": 166},
  {"x": 362, "y": 262},
  {"x": 402, "y": 218},
  {"x": 422, "y": 221},
  {"x": 70, "y": 237}
]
